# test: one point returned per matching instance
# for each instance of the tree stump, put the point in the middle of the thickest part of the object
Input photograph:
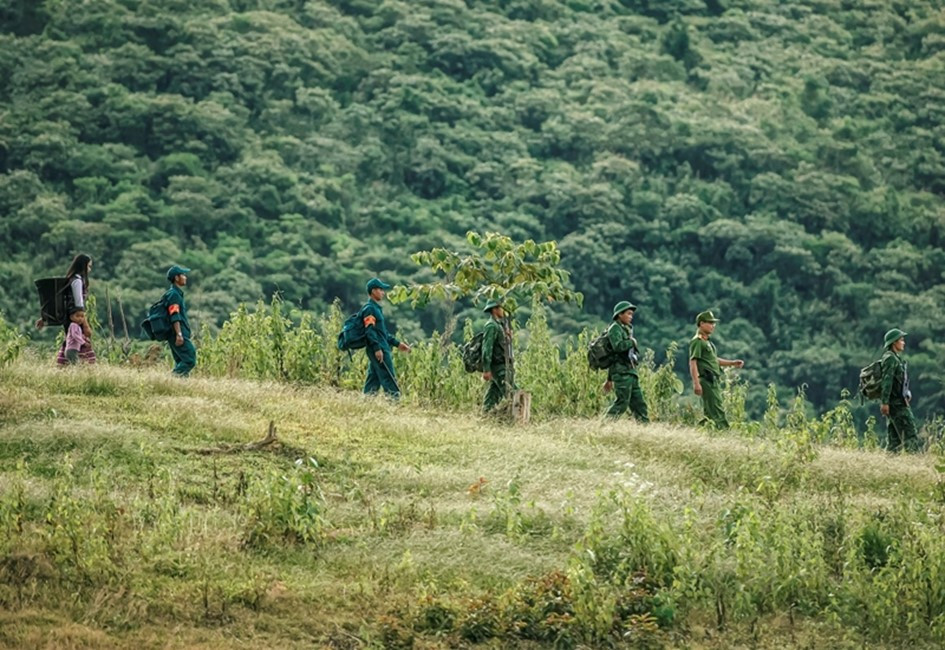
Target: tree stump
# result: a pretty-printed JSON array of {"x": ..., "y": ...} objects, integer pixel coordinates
[{"x": 521, "y": 406}]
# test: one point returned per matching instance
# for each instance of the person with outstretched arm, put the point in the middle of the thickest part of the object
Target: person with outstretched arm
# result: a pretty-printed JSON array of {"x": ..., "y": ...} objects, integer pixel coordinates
[{"x": 705, "y": 368}]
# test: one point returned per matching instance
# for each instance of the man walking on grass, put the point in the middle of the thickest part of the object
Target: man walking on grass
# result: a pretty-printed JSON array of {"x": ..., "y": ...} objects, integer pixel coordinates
[
  {"x": 182, "y": 347},
  {"x": 497, "y": 365},
  {"x": 705, "y": 368},
  {"x": 622, "y": 376},
  {"x": 381, "y": 373},
  {"x": 895, "y": 395}
]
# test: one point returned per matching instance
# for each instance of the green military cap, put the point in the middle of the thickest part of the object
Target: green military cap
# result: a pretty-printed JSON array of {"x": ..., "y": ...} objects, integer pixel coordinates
[
  {"x": 376, "y": 283},
  {"x": 892, "y": 336},
  {"x": 623, "y": 306},
  {"x": 706, "y": 317},
  {"x": 492, "y": 304},
  {"x": 174, "y": 271}
]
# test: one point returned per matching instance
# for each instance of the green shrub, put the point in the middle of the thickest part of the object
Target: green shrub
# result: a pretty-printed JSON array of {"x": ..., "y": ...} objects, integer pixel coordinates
[
  {"x": 285, "y": 508},
  {"x": 11, "y": 343}
]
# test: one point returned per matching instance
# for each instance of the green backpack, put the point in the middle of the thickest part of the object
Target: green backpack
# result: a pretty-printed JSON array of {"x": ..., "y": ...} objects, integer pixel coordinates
[
  {"x": 471, "y": 352},
  {"x": 353, "y": 335},
  {"x": 157, "y": 326},
  {"x": 871, "y": 380},
  {"x": 600, "y": 352}
]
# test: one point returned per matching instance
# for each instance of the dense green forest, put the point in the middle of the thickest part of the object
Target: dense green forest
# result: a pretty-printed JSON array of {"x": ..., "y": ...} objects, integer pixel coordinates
[{"x": 781, "y": 162}]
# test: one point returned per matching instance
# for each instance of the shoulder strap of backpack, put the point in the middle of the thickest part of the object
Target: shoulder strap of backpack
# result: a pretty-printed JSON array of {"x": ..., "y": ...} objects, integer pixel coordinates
[{"x": 67, "y": 285}]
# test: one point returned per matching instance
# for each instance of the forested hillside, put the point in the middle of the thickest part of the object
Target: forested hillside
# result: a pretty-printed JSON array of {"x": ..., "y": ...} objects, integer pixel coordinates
[{"x": 779, "y": 162}]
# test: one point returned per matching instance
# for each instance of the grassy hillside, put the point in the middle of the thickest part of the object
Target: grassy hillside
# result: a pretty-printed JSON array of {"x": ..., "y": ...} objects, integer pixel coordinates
[{"x": 370, "y": 524}]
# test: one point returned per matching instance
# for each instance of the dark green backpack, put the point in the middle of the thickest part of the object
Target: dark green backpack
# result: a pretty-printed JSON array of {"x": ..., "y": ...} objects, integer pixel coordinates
[
  {"x": 471, "y": 352},
  {"x": 157, "y": 326},
  {"x": 871, "y": 380},
  {"x": 353, "y": 335},
  {"x": 600, "y": 352}
]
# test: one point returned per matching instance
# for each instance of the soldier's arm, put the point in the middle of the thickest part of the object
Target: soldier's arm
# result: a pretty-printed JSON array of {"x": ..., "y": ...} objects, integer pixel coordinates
[
  {"x": 738, "y": 363},
  {"x": 694, "y": 352},
  {"x": 889, "y": 371},
  {"x": 488, "y": 343},
  {"x": 174, "y": 313},
  {"x": 392, "y": 340},
  {"x": 369, "y": 319},
  {"x": 619, "y": 341}
]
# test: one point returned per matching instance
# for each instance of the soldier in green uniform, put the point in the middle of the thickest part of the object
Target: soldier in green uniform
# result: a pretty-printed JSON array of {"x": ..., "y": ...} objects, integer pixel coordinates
[
  {"x": 895, "y": 395},
  {"x": 381, "y": 373},
  {"x": 705, "y": 368},
  {"x": 179, "y": 338},
  {"x": 622, "y": 375},
  {"x": 497, "y": 358}
]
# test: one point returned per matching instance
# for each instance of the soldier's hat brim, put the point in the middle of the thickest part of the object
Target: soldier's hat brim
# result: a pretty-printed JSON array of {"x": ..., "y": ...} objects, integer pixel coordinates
[
  {"x": 623, "y": 306},
  {"x": 377, "y": 283}
]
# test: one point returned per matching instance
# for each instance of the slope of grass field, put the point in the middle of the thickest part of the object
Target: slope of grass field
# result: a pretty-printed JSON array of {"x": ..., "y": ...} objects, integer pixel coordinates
[{"x": 131, "y": 516}]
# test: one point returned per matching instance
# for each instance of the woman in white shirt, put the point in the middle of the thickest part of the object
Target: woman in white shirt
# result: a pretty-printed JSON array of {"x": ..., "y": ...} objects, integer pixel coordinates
[{"x": 76, "y": 297}]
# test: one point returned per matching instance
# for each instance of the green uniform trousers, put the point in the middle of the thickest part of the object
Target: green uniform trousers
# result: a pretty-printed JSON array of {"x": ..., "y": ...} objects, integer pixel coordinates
[
  {"x": 381, "y": 375},
  {"x": 496, "y": 391},
  {"x": 628, "y": 395},
  {"x": 185, "y": 357},
  {"x": 901, "y": 428},
  {"x": 712, "y": 404}
]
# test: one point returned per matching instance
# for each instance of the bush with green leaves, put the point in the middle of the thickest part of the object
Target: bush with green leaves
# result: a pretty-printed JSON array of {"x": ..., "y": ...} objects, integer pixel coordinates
[
  {"x": 263, "y": 342},
  {"x": 285, "y": 508},
  {"x": 11, "y": 343}
]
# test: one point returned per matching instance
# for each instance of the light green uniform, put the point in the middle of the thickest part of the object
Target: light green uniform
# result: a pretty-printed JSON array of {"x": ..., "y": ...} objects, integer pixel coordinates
[{"x": 710, "y": 377}]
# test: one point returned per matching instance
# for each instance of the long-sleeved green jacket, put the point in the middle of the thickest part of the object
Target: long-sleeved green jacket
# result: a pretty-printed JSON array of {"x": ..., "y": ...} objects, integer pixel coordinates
[
  {"x": 375, "y": 328},
  {"x": 496, "y": 342},
  {"x": 622, "y": 341},
  {"x": 894, "y": 379}
]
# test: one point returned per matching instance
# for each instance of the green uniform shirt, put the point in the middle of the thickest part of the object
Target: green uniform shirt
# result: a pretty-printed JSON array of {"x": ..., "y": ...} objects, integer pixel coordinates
[
  {"x": 375, "y": 328},
  {"x": 895, "y": 384},
  {"x": 496, "y": 345},
  {"x": 622, "y": 341},
  {"x": 177, "y": 310},
  {"x": 707, "y": 361}
]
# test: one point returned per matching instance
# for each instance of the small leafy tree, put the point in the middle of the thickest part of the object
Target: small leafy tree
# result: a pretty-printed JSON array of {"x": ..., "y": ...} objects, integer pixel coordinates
[{"x": 496, "y": 268}]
